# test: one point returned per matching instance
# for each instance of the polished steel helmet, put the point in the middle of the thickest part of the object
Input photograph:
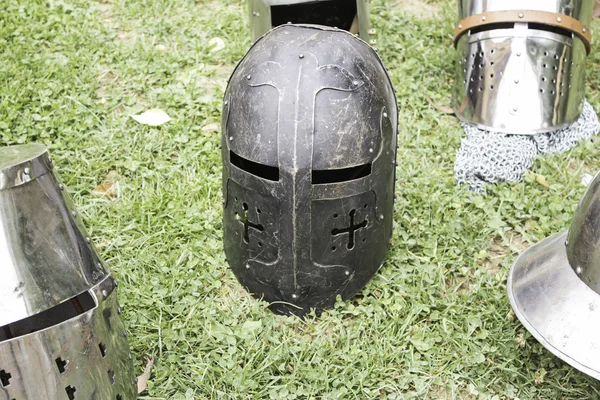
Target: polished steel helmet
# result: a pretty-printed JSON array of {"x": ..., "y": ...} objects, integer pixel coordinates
[
  {"x": 309, "y": 142},
  {"x": 61, "y": 335},
  {"x": 350, "y": 15},
  {"x": 521, "y": 64},
  {"x": 554, "y": 288}
]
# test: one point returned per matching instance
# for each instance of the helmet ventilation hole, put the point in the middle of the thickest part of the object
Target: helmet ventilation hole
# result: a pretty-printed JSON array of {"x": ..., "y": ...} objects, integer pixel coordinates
[
  {"x": 102, "y": 347},
  {"x": 70, "y": 392},
  {"x": 5, "y": 378},
  {"x": 61, "y": 365},
  {"x": 111, "y": 376},
  {"x": 350, "y": 230}
]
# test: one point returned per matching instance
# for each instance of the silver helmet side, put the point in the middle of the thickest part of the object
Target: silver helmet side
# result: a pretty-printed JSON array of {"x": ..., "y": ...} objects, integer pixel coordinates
[
  {"x": 554, "y": 288},
  {"x": 521, "y": 64},
  {"x": 61, "y": 334},
  {"x": 350, "y": 15}
]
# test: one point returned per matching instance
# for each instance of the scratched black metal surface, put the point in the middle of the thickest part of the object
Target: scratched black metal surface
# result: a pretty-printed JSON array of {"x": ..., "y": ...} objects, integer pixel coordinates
[{"x": 308, "y": 100}]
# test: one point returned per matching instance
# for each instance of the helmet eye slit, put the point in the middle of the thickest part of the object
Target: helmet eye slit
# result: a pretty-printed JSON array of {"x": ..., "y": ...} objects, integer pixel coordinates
[
  {"x": 262, "y": 171},
  {"x": 333, "y": 13},
  {"x": 58, "y": 314},
  {"x": 325, "y": 176}
]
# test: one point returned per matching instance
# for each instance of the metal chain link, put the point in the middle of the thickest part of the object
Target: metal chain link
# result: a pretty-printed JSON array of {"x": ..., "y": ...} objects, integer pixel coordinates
[{"x": 488, "y": 157}]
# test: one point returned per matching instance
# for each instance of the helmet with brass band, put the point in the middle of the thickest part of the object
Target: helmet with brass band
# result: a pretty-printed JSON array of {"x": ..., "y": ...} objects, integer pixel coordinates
[{"x": 521, "y": 65}]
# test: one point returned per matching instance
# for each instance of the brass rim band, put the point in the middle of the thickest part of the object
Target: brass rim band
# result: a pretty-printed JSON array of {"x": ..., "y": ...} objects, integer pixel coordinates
[{"x": 540, "y": 17}]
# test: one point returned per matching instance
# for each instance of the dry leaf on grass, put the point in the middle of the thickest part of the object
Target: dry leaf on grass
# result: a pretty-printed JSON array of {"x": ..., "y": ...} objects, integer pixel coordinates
[
  {"x": 541, "y": 180},
  {"x": 152, "y": 117},
  {"x": 597, "y": 9},
  {"x": 211, "y": 128},
  {"x": 110, "y": 187},
  {"x": 142, "y": 380},
  {"x": 217, "y": 44}
]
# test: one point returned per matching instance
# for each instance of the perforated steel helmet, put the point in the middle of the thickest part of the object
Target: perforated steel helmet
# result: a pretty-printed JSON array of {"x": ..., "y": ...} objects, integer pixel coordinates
[
  {"x": 554, "y": 288},
  {"x": 350, "y": 15},
  {"x": 61, "y": 335},
  {"x": 521, "y": 64},
  {"x": 309, "y": 142}
]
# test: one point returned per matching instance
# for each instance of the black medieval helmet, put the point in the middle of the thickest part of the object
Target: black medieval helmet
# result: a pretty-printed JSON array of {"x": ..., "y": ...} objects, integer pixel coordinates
[{"x": 309, "y": 142}]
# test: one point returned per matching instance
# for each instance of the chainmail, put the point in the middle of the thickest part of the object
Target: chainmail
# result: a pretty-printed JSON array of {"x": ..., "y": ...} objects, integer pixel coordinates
[{"x": 490, "y": 157}]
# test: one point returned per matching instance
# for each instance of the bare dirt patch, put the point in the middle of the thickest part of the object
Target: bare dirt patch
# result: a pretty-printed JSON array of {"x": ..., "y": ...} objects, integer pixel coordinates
[{"x": 499, "y": 249}]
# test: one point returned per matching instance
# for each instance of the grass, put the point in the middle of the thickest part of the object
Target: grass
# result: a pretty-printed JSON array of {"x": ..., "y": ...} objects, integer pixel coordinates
[{"x": 434, "y": 323}]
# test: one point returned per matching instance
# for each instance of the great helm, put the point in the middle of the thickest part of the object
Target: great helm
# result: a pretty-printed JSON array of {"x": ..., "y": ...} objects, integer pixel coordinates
[
  {"x": 61, "y": 335},
  {"x": 309, "y": 141},
  {"x": 554, "y": 288},
  {"x": 350, "y": 15},
  {"x": 521, "y": 64}
]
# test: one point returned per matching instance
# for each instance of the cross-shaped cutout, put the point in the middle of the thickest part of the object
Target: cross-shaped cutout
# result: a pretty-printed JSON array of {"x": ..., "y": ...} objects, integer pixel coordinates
[
  {"x": 70, "y": 392},
  {"x": 350, "y": 230},
  {"x": 5, "y": 378},
  {"x": 247, "y": 224},
  {"x": 61, "y": 364},
  {"x": 111, "y": 376},
  {"x": 102, "y": 347}
]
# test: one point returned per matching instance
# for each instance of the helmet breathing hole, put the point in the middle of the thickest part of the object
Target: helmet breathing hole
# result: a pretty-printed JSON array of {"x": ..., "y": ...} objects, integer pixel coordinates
[
  {"x": 258, "y": 210},
  {"x": 70, "y": 392},
  {"x": 102, "y": 347},
  {"x": 350, "y": 230},
  {"x": 61, "y": 365},
  {"x": 111, "y": 376},
  {"x": 245, "y": 205},
  {"x": 333, "y": 248},
  {"x": 5, "y": 378}
]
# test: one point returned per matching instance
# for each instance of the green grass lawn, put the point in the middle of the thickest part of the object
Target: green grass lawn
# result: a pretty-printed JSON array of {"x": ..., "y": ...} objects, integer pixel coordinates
[{"x": 434, "y": 323}]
